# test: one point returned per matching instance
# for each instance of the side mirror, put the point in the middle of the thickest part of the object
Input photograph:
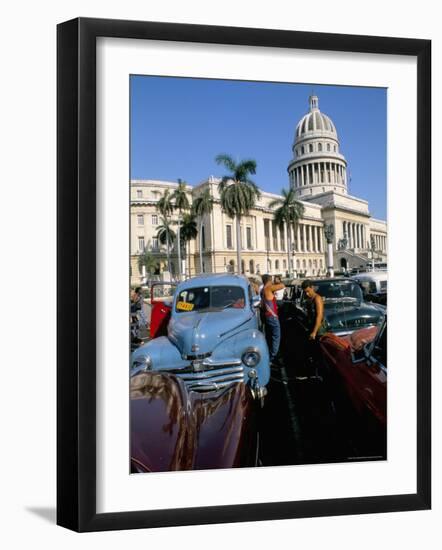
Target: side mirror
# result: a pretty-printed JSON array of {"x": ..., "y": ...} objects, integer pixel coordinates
[{"x": 256, "y": 301}]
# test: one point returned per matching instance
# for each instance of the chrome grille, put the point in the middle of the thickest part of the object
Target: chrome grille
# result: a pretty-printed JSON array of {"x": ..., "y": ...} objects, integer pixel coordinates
[{"x": 211, "y": 378}]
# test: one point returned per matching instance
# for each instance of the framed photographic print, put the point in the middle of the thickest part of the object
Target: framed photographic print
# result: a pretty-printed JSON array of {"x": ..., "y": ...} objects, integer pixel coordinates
[{"x": 240, "y": 214}]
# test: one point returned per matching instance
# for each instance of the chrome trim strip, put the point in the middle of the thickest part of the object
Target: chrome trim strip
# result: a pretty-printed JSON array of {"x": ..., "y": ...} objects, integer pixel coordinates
[{"x": 222, "y": 363}]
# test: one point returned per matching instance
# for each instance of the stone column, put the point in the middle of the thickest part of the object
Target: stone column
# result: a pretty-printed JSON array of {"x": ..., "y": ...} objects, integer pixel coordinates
[
  {"x": 298, "y": 238},
  {"x": 304, "y": 247}
]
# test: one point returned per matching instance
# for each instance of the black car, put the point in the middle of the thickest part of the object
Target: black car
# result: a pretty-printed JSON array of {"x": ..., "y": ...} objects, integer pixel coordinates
[{"x": 344, "y": 307}]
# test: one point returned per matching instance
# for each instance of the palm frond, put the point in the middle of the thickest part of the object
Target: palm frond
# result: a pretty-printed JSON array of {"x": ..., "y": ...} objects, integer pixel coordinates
[{"x": 226, "y": 160}]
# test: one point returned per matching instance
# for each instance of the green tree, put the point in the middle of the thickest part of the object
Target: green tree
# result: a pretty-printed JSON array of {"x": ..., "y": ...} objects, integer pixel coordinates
[
  {"x": 288, "y": 211},
  {"x": 165, "y": 208},
  {"x": 238, "y": 193},
  {"x": 181, "y": 203},
  {"x": 147, "y": 260},
  {"x": 201, "y": 206},
  {"x": 166, "y": 236},
  {"x": 188, "y": 232}
]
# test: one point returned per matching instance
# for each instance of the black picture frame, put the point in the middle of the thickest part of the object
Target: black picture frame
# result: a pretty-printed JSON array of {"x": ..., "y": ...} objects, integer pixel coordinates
[{"x": 76, "y": 273}]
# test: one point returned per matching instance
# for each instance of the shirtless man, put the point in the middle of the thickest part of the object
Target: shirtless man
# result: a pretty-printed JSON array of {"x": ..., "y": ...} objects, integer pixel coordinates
[
  {"x": 270, "y": 314},
  {"x": 315, "y": 310}
]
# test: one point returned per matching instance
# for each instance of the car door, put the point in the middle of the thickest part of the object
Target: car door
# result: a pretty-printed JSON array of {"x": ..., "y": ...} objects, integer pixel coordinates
[
  {"x": 161, "y": 298},
  {"x": 369, "y": 381}
]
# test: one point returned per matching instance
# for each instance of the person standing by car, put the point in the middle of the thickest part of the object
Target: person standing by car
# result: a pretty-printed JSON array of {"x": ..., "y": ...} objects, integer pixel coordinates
[
  {"x": 315, "y": 310},
  {"x": 270, "y": 314},
  {"x": 315, "y": 324}
]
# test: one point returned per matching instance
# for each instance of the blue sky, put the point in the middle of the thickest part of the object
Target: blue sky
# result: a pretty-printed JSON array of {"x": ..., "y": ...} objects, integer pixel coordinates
[{"x": 179, "y": 125}]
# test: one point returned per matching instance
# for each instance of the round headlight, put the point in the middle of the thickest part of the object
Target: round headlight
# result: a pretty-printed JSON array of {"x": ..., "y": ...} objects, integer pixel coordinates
[
  {"x": 141, "y": 364},
  {"x": 251, "y": 357}
]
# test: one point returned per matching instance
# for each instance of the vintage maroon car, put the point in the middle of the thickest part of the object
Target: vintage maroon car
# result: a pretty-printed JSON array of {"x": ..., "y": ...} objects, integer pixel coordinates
[
  {"x": 173, "y": 428},
  {"x": 357, "y": 368}
]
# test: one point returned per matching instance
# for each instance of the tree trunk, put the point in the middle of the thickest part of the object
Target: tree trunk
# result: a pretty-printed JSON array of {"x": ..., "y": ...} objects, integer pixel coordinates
[
  {"x": 238, "y": 244},
  {"x": 289, "y": 249},
  {"x": 168, "y": 254},
  {"x": 201, "y": 246},
  {"x": 179, "y": 246},
  {"x": 188, "y": 259}
]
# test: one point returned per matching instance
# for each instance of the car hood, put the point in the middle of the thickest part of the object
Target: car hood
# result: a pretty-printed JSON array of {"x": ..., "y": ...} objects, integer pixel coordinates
[
  {"x": 174, "y": 429},
  {"x": 350, "y": 315},
  {"x": 199, "y": 333}
]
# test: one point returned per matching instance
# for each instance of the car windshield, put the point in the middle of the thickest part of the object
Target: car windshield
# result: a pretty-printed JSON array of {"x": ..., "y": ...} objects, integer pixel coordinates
[
  {"x": 210, "y": 298},
  {"x": 339, "y": 291}
]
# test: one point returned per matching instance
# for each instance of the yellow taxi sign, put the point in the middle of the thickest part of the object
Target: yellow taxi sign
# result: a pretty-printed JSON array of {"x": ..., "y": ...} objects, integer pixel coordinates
[{"x": 184, "y": 306}]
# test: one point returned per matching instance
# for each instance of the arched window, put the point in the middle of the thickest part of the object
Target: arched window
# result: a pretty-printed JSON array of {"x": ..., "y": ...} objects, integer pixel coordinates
[
  {"x": 251, "y": 267},
  {"x": 297, "y": 264},
  {"x": 277, "y": 264},
  {"x": 328, "y": 146},
  {"x": 304, "y": 265},
  {"x": 284, "y": 264},
  {"x": 310, "y": 148},
  {"x": 319, "y": 146},
  {"x": 302, "y": 149}
]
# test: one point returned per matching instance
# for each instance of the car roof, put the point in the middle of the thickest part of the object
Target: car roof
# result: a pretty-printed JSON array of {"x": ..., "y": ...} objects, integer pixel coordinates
[
  {"x": 329, "y": 280},
  {"x": 212, "y": 279},
  {"x": 382, "y": 275}
]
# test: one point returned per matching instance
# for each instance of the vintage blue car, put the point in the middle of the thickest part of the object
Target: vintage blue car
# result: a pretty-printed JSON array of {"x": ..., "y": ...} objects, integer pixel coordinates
[{"x": 213, "y": 338}]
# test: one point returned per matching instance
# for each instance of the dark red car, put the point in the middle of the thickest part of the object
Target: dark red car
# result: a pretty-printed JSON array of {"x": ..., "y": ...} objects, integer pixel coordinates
[
  {"x": 173, "y": 428},
  {"x": 357, "y": 372}
]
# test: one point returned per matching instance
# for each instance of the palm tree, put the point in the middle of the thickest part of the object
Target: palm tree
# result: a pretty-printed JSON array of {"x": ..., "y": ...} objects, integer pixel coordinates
[
  {"x": 202, "y": 205},
  {"x": 164, "y": 205},
  {"x": 238, "y": 193},
  {"x": 188, "y": 232},
  {"x": 147, "y": 260},
  {"x": 289, "y": 211},
  {"x": 166, "y": 236},
  {"x": 165, "y": 208},
  {"x": 181, "y": 204}
]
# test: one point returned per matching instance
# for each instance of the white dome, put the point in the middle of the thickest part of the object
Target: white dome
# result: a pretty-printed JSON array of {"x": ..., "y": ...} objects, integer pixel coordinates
[
  {"x": 315, "y": 122},
  {"x": 317, "y": 165}
]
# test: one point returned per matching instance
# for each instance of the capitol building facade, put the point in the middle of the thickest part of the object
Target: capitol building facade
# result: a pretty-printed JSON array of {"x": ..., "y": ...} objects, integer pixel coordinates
[{"x": 317, "y": 173}]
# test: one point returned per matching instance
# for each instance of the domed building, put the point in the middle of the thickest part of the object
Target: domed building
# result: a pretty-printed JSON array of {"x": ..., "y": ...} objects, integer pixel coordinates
[
  {"x": 318, "y": 174},
  {"x": 334, "y": 221},
  {"x": 317, "y": 165}
]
